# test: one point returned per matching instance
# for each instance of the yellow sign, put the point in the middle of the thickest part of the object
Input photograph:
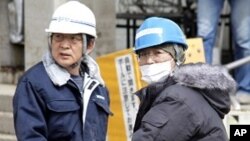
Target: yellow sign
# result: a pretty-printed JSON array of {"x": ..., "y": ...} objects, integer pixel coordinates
[
  {"x": 195, "y": 52},
  {"x": 119, "y": 70}
]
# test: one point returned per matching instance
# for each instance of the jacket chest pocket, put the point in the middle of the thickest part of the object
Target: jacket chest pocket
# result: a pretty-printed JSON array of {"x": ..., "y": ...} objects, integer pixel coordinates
[
  {"x": 63, "y": 115},
  {"x": 62, "y": 106}
]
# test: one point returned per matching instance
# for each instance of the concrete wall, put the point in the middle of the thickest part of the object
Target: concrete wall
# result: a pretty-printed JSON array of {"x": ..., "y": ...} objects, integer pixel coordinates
[
  {"x": 106, "y": 25},
  {"x": 37, "y": 15},
  {"x": 10, "y": 55}
]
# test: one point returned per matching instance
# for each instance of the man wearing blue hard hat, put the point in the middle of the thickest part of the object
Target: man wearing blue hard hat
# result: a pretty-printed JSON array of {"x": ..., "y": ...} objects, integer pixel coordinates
[{"x": 182, "y": 102}]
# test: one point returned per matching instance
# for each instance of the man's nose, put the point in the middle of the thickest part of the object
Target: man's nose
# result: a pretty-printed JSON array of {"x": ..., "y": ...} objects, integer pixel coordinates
[
  {"x": 65, "y": 43},
  {"x": 150, "y": 59}
]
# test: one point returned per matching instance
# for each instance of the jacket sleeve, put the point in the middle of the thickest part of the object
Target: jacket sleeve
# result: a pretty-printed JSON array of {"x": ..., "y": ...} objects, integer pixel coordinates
[
  {"x": 169, "y": 121},
  {"x": 28, "y": 110}
]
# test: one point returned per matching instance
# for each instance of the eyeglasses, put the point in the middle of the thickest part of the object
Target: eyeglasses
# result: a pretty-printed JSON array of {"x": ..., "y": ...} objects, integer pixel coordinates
[
  {"x": 157, "y": 55},
  {"x": 73, "y": 38}
]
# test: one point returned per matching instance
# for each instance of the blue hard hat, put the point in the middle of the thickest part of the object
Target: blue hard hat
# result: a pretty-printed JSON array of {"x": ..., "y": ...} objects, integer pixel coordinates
[{"x": 155, "y": 31}]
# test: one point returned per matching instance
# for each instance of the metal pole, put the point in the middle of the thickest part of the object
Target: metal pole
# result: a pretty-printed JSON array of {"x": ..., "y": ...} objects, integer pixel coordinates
[{"x": 238, "y": 63}]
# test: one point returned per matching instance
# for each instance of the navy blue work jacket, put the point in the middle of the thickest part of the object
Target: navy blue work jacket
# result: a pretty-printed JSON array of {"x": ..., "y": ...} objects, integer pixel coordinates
[{"x": 46, "y": 112}]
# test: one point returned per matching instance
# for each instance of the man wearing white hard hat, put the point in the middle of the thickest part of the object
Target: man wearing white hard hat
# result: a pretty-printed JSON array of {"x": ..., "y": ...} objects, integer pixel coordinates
[{"x": 63, "y": 97}]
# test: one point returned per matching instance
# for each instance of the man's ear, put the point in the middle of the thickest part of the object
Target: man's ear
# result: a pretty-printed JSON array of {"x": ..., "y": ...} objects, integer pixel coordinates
[{"x": 91, "y": 45}]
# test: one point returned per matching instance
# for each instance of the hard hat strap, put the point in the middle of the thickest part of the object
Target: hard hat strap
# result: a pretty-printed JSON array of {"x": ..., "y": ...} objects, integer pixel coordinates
[
  {"x": 178, "y": 54},
  {"x": 49, "y": 40},
  {"x": 84, "y": 44}
]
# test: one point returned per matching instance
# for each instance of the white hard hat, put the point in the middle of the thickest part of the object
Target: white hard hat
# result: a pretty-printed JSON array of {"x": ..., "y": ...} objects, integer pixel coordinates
[{"x": 73, "y": 17}]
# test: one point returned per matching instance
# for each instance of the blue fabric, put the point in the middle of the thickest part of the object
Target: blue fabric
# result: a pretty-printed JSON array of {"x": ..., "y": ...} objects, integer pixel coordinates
[
  {"x": 155, "y": 31},
  {"x": 44, "y": 111},
  {"x": 208, "y": 14}
]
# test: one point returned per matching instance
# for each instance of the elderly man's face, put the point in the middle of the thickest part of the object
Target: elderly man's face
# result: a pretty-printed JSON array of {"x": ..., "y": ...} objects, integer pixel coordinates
[
  {"x": 153, "y": 55},
  {"x": 66, "y": 49}
]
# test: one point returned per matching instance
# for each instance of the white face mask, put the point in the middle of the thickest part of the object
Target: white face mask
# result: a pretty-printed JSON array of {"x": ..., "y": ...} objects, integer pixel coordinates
[{"x": 155, "y": 72}]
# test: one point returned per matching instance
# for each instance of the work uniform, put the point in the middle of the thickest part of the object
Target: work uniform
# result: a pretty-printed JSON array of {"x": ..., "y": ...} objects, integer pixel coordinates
[{"x": 51, "y": 107}]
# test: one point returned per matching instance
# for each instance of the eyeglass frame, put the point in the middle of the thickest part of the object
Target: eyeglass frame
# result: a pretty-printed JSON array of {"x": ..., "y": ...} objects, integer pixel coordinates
[
  {"x": 73, "y": 38},
  {"x": 156, "y": 54}
]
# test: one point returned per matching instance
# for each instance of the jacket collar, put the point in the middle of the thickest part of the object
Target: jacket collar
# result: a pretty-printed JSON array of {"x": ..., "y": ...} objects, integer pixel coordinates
[
  {"x": 60, "y": 76},
  {"x": 205, "y": 77}
]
